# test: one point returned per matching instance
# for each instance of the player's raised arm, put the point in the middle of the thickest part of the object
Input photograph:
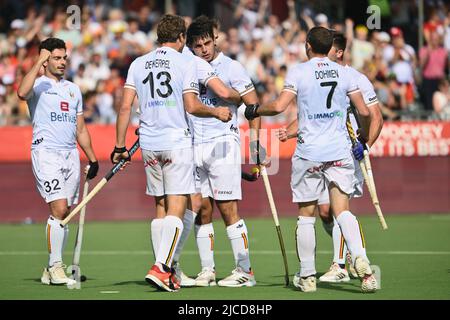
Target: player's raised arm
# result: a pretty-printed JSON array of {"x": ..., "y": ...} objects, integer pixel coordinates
[{"x": 26, "y": 86}]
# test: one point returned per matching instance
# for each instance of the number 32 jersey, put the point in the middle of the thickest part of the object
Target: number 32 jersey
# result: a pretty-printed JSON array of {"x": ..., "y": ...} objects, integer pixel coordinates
[
  {"x": 160, "y": 78},
  {"x": 321, "y": 87}
]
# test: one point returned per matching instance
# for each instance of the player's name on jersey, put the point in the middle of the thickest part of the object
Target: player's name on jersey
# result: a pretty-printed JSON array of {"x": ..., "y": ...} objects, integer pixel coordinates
[
  {"x": 322, "y": 74},
  {"x": 157, "y": 63}
]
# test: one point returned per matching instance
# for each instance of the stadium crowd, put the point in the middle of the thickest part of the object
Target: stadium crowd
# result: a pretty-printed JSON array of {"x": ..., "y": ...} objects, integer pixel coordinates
[{"x": 410, "y": 83}]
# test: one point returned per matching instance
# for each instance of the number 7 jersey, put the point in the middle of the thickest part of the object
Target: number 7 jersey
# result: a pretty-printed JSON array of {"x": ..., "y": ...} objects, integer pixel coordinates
[
  {"x": 160, "y": 78},
  {"x": 321, "y": 87}
]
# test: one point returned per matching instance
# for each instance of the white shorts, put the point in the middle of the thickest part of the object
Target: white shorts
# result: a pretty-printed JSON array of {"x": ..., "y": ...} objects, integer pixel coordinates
[
  {"x": 57, "y": 174},
  {"x": 169, "y": 172},
  {"x": 358, "y": 182},
  {"x": 310, "y": 179},
  {"x": 218, "y": 169}
]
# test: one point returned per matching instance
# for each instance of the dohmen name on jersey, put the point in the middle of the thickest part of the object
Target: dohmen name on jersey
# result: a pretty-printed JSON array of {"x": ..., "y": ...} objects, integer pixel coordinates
[{"x": 322, "y": 74}]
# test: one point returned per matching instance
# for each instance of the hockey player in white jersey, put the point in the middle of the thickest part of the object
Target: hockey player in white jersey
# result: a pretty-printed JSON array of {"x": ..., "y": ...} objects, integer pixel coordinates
[
  {"x": 322, "y": 157},
  {"x": 218, "y": 161},
  {"x": 206, "y": 78},
  {"x": 56, "y": 109},
  {"x": 337, "y": 271},
  {"x": 166, "y": 84}
]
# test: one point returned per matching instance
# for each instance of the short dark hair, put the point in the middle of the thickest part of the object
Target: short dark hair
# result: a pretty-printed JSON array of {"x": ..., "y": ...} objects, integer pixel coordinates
[
  {"x": 202, "y": 27},
  {"x": 51, "y": 44},
  {"x": 339, "y": 41},
  {"x": 320, "y": 39},
  {"x": 169, "y": 28}
]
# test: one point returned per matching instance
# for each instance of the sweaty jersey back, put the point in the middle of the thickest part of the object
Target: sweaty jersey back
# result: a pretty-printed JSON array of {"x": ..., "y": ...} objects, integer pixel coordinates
[
  {"x": 160, "y": 78},
  {"x": 321, "y": 87}
]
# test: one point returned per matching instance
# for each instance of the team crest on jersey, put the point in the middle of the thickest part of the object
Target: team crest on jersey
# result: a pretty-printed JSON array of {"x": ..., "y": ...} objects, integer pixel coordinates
[{"x": 64, "y": 105}]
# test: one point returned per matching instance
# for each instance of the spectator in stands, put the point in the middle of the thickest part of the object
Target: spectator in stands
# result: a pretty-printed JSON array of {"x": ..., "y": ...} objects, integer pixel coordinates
[
  {"x": 249, "y": 14},
  {"x": 433, "y": 61},
  {"x": 97, "y": 69},
  {"x": 105, "y": 104},
  {"x": 137, "y": 38},
  {"x": 361, "y": 49},
  {"x": 83, "y": 81},
  {"x": 90, "y": 110},
  {"x": 441, "y": 101}
]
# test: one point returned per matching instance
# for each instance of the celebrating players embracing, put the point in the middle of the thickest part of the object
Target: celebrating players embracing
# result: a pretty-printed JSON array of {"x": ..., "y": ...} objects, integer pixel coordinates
[{"x": 166, "y": 84}]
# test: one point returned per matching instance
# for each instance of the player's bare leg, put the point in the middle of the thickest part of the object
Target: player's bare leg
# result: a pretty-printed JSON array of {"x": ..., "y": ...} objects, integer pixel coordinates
[
  {"x": 237, "y": 232},
  {"x": 305, "y": 279},
  {"x": 351, "y": 229}
]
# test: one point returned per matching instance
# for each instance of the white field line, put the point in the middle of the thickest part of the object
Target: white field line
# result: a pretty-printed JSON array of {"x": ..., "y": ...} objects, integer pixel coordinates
[{"x": 217, "y": 252}]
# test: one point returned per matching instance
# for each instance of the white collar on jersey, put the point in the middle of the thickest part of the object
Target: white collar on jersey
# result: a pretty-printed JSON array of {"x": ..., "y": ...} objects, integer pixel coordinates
[
  {"x": 53, "y": 80},
  {"x": 320, "y": 58},
  {"x": 169, "y": 48},
  {"x": 217, "y": 59}
]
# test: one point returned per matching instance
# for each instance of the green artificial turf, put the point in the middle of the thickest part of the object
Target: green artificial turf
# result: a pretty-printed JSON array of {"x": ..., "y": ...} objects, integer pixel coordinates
[{"x": 413, "y": 254}]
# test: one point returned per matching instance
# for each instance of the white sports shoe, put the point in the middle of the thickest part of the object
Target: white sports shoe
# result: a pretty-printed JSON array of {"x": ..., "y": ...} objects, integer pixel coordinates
[
  {"x": 335, "y": 274},
  {"x": 307, "y": 284},
  {"x": 238, "y": 278},
  {"x": 206, "y": 278},
  {"x": 368, "y": 281},
  {"x": 183, "y": 279},
  {"x": 56, "y": 275},
  {"x": 351, "y": 268},
  {"x": 45, "y": 279}
]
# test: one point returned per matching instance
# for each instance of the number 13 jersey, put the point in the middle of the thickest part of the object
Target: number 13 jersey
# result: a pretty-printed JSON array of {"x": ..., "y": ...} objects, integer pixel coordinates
[
  {"x": 321, "y": 87},
  {"x": 160, "y": 79}
]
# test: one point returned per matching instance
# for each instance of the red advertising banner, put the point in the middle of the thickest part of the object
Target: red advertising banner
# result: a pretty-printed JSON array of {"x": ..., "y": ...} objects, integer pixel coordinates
[
  {"x": 407, "y": 139},
  {"x": 397, "y": 139}
]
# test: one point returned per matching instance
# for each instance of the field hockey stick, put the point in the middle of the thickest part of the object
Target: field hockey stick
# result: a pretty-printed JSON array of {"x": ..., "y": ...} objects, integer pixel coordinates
[
  {"x": 101, "y": 184},
  {"x": 74, "y": 269},
  {"x": 277, "y": 223},
  {"x": 366, "y": 169}
]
